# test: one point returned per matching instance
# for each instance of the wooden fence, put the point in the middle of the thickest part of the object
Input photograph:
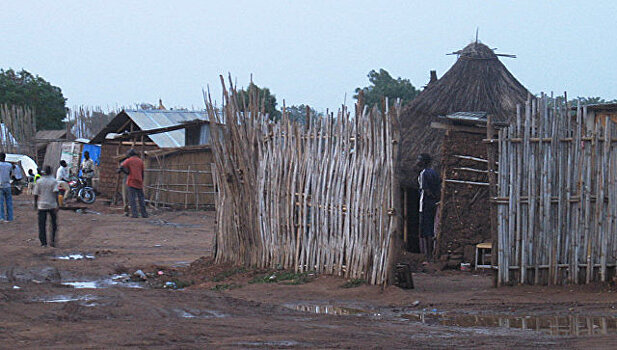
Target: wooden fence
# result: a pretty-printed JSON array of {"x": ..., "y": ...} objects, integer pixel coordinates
[
  {"x": 17, "y": 130},
  {"x": 557, "y": 197},
  {"x": 180, "y": 177},
  {"x": 314, "y": 197}
]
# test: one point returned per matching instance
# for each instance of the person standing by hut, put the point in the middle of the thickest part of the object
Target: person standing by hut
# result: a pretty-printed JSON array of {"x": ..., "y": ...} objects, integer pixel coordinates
[
  {"x": 87, "y": 168},
  {"x": 46, "y": 202},
  {"x": 429, "y": 183},
  {"x": 134, "y": 167}
]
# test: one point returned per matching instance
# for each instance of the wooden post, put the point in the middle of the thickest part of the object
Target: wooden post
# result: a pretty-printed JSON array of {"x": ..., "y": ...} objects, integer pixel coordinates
[
  {"x": 490, "y": 135},
  {"x": 405, "y": 218}
]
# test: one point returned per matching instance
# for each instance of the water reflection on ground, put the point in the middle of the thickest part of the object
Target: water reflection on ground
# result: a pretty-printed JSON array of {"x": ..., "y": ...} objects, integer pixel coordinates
[{"x": 570, "y": 325}]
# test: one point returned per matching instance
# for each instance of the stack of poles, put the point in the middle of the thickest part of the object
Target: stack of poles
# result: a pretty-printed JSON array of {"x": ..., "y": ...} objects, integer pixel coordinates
[
  {"x": 19, "y": 130},
  {"x": 319, "y": 196},
  {"x": 557, "y": 201}
]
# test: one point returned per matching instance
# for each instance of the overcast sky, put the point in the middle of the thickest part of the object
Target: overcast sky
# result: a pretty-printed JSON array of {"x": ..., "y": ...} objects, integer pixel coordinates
[{"x": 109, "y": 53}]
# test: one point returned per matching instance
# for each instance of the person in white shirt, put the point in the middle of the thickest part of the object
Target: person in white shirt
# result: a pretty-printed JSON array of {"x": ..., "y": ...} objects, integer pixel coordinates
[
  {"x": 62, "y": 174},
  {"x": 46, "y": 202}
]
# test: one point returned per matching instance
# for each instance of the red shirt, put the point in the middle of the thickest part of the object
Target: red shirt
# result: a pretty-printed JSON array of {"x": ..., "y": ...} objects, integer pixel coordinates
[{"x": 135, "y": 166}]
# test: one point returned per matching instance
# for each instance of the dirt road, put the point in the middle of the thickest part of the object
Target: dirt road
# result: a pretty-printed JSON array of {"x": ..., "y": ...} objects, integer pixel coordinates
[{"x": 49, "y": 300}]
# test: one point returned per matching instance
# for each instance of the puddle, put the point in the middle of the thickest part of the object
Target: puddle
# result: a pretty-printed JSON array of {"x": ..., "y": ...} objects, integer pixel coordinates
[
  {"x": 330, "y": 309},
  {"x": 181, "y": 264},
  {"x": 113, "y": 281},
  {"x": 573, "y": 325},
  {"x": 195, "y": 313},
  {"x": 77, "y": 256},
  {"x": 66, "y": 299},
  {"x": 270, "y": 344}
]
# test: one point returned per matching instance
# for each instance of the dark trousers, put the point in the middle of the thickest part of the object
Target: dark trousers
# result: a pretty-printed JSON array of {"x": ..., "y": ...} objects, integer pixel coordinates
[
  {"x": 43, "y": 225},
  {"x": 136, "y": 195},
  {"x": 427, "y": 230}
]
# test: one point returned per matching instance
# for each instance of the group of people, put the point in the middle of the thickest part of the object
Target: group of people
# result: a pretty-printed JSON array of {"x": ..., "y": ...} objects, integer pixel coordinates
[{"x": 46, "y": 189}]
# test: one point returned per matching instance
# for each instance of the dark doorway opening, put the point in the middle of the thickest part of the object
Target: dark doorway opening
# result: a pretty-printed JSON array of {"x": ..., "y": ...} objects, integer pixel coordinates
[{"x": 413, "y": 220}]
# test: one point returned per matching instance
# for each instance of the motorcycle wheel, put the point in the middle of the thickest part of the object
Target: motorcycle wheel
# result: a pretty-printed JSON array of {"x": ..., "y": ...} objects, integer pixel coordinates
[{"x": 87, "y": 195}]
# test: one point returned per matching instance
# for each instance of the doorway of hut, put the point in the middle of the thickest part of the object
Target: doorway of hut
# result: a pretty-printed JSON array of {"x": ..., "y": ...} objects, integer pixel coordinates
[{"x": 411, "y": 230}]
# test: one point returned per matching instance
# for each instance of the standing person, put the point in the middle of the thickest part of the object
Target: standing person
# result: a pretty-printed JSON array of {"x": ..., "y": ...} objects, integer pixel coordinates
[
  {"x": 429, "y": 197},
  {"x": 30, "y": 181},
  {"x": 6, "y": 198},
  {"x": 134, "y": 167},
  {"x": 62, "y": 174},
  {"x": 87, "y": 168},
  {"x": 46, "y": 202}
]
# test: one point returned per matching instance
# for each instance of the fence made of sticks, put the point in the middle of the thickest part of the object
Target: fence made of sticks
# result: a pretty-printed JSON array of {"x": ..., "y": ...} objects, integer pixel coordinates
[
  {"x": 320, "y": 196},
  {"x": 557, "y": 196},
  {"x": 17, "y": 130},
  {"x": 180, "y": 177}
]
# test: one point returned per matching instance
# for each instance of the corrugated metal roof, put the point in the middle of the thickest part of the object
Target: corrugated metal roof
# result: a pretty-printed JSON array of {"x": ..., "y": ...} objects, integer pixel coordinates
[
  {"x": 50, "y": 134},
  {"x": 154, "y": 119}
]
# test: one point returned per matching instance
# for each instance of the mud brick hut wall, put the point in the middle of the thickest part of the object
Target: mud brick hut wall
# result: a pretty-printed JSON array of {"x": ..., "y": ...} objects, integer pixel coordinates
[
  {"x": 180, "y": 177},
  {"x": 110, "y": 156},
  {"x": 464, "y": 220},
  {"x": 477, "y": 82}
]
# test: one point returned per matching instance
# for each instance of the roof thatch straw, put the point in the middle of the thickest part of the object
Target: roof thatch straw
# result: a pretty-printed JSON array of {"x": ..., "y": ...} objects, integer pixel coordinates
[{"x": 478, "y": 81}]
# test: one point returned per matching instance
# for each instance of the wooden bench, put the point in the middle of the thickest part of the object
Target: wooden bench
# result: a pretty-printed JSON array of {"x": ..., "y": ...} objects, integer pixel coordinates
[{"x": 483, "y": 253}]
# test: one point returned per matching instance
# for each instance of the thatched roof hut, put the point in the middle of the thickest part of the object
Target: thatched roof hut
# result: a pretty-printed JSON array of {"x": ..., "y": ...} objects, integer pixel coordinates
[{"x": 478, "y": 81}]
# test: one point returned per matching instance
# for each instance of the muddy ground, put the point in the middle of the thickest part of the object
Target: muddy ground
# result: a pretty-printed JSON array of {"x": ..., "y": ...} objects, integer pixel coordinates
[{"x": 228, "y": 307}]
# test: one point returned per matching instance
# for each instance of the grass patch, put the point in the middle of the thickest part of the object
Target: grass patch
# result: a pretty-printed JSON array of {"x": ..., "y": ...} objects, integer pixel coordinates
[
  {"x": 226, "y": 286},
  {"x": 285, "y": 277},
  {"x": 356, "y": 282},
  {"x": 226, "y": 274}
]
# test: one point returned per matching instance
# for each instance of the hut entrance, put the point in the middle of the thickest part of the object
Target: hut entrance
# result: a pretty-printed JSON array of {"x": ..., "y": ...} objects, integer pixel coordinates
[{"x": 411, "y": 200}]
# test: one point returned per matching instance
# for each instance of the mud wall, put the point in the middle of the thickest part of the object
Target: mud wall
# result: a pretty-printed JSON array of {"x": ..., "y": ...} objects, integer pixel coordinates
[
  {"x": 465, "y": 219},
  {"x": 111, "y": 154}
]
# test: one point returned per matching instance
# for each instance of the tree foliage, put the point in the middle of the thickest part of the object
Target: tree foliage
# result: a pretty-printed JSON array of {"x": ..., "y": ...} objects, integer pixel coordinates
[
  {"x": 297, "y": 113},
  {"x": 264, "y": 96},
  {"x": 590, "y": 101},
  {"x": 383, "y": 85},
  {"x": 24, "y": 89},
  {"x": 585, "y": 101}
]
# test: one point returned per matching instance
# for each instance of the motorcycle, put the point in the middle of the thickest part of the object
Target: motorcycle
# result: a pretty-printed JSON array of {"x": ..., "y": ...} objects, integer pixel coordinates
[{"x": 78, "y": 188}]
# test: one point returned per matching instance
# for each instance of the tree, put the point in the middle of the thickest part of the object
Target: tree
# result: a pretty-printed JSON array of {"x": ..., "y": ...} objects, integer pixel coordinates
[
  {"x": 585, "y": 101},
  {"x": 24, "y": 89},
  {"x": 297, "y": 113},
  {"x": 264, "y": 96},
  {"x": 590, "y": 101},
  {"x": 383, "y": 85}
]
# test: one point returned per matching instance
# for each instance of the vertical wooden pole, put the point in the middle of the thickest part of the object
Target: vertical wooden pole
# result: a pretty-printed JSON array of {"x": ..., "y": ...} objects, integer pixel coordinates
[{"x": 490, "y": 136}]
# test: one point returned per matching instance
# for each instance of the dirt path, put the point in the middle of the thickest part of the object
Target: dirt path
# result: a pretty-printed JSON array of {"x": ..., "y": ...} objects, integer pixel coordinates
[{"x": 448, "y": 309}]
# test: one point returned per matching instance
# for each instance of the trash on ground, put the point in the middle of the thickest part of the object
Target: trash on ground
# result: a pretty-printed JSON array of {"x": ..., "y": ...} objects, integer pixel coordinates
[{"x": 140, "y": 274}]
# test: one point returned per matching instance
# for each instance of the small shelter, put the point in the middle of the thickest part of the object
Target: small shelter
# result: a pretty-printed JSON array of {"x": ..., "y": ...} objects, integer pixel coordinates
[
  {"x": 477, "y": 82},
  {"x": 147, "y": 131},
  {"x": 49, "y": 146}
]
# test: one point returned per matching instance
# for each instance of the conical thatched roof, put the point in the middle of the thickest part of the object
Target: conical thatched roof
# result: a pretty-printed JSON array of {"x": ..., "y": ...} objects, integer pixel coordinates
[{"x": 477, "y": 82}]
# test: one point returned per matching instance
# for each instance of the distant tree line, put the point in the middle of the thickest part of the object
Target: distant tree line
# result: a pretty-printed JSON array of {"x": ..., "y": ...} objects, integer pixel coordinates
[
  {"x": 27, "y": 90},
  {"x": 49, "y": 105}
]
